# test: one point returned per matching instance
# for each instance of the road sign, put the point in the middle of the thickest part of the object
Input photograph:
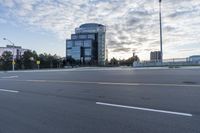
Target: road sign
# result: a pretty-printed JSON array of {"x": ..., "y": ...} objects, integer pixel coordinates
[
  {"x": 13, "y": 62},
  {"x": 38, "y": 62}
]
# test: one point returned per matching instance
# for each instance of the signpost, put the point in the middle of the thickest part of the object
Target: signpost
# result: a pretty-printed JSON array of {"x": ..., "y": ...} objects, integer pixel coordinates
[
  {"x": 38, "y": 63},
  {"x": 13, "y": 62}
]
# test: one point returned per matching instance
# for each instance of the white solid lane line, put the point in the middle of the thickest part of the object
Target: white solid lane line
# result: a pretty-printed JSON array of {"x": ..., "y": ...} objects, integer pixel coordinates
[
  {"x": 9, "y": 77},
  {"x": 144, "y": 109},
  {"x": 12, "y": 91}
]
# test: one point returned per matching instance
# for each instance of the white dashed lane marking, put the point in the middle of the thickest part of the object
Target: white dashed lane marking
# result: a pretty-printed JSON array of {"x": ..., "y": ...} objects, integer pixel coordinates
[
  {"x": 144, "y": 109},
  {"x": 11, "y": 91},
  {"x": 9, "y": 77}
]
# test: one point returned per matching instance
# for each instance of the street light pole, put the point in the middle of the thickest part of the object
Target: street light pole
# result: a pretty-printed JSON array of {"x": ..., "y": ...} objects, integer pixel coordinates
[
  {"x": 13, "y": 58},
  {"x": 160, "y": 16}
]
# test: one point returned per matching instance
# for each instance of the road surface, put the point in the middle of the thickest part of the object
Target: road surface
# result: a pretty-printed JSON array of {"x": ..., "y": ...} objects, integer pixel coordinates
[{"x": 100, "y": 100}]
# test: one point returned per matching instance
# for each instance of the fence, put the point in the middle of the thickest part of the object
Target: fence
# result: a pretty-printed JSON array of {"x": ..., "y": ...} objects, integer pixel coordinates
[{"x": 175, "y": 62}]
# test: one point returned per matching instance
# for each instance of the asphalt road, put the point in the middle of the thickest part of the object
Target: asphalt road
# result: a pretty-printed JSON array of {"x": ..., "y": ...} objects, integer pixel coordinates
[{"x": 100, "y": 100}]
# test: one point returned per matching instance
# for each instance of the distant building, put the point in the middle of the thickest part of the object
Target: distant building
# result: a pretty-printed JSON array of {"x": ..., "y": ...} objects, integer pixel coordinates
[
  {"x": 18, "y": 50},
  {"x": 155, "y": 56},
  {"x": 87, "y": 45},
  {"x": 194, "y": 58}
]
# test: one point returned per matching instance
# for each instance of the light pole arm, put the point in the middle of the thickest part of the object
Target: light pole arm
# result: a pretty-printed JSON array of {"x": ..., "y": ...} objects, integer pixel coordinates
[{"x": 9, "y": 41}]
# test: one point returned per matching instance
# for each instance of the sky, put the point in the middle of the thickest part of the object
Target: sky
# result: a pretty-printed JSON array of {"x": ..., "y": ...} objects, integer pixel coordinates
[{"x": 132, "y": 25}]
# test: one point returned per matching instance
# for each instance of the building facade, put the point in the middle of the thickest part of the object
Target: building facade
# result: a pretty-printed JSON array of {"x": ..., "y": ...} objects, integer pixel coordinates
[
  {"x": 194, "y": 58},
  {"x": 155, "y": 56},
  {"x": 87, "y": 45},
  {"x": 18, "y": 51}
]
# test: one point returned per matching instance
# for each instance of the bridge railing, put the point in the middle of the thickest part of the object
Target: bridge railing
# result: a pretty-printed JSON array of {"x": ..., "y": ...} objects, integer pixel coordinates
[{"x": 174, "y": 62}]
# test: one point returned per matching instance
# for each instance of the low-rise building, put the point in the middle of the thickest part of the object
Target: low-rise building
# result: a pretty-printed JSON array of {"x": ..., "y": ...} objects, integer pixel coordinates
[
  {"x": 18, "y": 50},
  {"x": 155, "y": 56},
  {"x": 194, "y": 58}
]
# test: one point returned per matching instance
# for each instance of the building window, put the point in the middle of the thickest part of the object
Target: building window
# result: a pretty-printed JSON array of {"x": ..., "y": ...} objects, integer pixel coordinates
[
  {"x": 82, "y": 36},
  {"x": 74, "y": 36},
  {"x": 69, "y": 44},
  {"x": 76, "y": 53},
  {"x": 87, "y": 59},
  {"x": 69, "y": 53},
  {"x": 91, "y": 36},
  {"x": 78, "y": 43},
  {"x": 87, "y": 43},
  {"x": 88, "y": 52}
]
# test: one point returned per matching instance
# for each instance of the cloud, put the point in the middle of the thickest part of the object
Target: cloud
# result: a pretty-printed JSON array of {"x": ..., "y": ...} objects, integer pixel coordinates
[
  {"x": 2, "y": 21},
  {"x": 121, "y": 49},
  {"x": 130, "y": 25}
]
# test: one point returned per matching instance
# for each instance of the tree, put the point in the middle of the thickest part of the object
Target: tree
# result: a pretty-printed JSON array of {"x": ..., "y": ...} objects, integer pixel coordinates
[
  {"x": 43, "y": 60},
  {"x": 56, "y": 61},
  {"x": 129, "y": 61},
  {"x": 114, "y": 61},
  {"x": 106, "y": 62},
  {"x": 6, "y": 60},
  {"x": 70, "y": 61},
  {"x": 19, "y": 64},
  {"x": 50, "y": 61},
  {"x": 29, "y": 58}
]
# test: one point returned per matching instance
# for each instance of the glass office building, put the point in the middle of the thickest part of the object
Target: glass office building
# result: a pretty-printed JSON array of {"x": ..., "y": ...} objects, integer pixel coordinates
[{"x": 87, "y": 45}]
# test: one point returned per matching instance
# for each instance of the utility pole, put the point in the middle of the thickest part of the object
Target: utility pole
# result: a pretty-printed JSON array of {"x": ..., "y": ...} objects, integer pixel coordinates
[
  {"x": 13, "y": 58},
  {"x": 160, "y": 16}
]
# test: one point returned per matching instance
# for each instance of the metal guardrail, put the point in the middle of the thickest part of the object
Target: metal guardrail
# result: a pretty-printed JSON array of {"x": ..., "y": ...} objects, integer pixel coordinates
[{"x": 167, "y": 62}]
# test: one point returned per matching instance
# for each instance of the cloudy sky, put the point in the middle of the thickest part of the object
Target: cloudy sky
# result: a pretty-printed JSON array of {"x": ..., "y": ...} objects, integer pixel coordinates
[{"x": 132, "y": 25}]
